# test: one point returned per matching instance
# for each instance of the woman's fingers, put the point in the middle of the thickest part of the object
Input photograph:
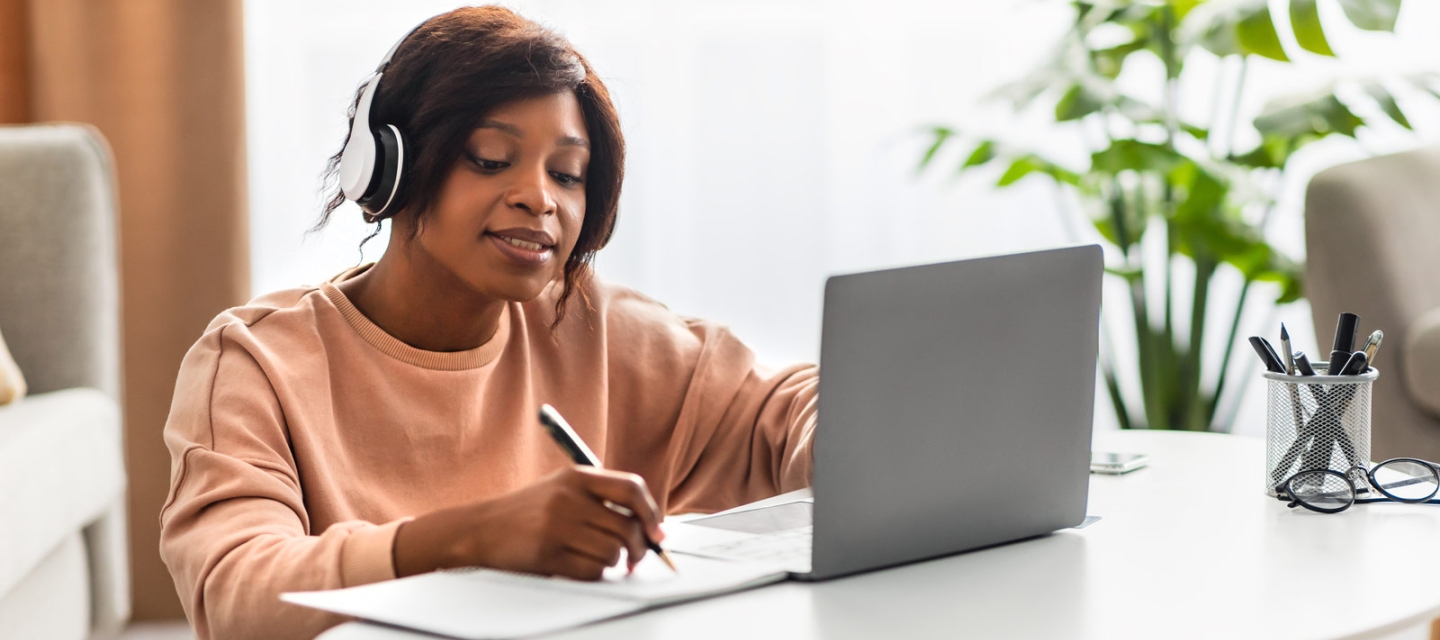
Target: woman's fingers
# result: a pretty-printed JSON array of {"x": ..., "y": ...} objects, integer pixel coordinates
[
  {"x": 624, "y": 489},
  {"x": 594, "y": 542},
  {"x": 580, "y": 566},
  {"x": 623, "y": 528}
]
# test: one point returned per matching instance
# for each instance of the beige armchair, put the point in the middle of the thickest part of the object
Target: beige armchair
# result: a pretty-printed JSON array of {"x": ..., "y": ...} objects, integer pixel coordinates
[
  {"x": 1373, "y": 248},
  {"x": 63, "y": 567}
]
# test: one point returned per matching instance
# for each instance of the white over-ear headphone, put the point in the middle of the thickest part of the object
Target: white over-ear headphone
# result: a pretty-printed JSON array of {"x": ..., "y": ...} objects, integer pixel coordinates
[{"x": 373, "y": 159}]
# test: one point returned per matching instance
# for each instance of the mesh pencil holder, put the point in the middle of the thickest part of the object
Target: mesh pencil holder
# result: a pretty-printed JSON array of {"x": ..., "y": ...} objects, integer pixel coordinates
[{"x": 1316, "y": 422}]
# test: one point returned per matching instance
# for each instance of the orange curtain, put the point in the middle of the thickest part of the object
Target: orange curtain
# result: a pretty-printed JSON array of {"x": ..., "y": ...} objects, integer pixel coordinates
[{"x": 163, "y": 80}]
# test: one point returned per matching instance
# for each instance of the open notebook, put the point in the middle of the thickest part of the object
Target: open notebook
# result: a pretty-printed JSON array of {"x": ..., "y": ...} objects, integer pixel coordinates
[{"x": 482, "y": 603}]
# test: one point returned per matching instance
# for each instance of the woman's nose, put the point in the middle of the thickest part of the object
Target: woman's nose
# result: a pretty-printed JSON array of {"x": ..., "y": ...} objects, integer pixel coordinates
[{"x": 531, "y": 192}]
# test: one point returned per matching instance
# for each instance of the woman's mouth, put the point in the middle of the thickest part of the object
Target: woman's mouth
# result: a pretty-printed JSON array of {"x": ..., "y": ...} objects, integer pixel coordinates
[{"x": 520, "y": 250}]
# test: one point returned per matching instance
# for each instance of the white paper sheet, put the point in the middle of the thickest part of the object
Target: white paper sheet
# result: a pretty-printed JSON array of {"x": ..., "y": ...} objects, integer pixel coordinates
[{"x": 491, "y": 604}]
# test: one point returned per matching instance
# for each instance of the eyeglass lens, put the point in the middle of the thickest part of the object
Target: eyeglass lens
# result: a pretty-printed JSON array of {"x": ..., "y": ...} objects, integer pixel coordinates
[
  {"x": 1321, "y": 489},
  {"x": 1406, "y": 480}
]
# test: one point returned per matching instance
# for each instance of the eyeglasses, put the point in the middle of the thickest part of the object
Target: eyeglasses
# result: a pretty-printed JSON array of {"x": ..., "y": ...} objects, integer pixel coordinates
[{"x": 1409, "y": 480}]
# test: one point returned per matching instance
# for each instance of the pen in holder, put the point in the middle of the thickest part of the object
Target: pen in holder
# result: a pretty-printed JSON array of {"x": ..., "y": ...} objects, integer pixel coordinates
[{"x": 1316, "y": 422}]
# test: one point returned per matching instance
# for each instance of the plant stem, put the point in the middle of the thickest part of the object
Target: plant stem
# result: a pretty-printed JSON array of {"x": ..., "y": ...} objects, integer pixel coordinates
[
  {"x": 1150, "y": 383},
  {"x": 1214, "y": 117},
  {"x": 1175, "y": 397},
  {"x": 1227, "y": 149},
  {"x": 1112, "y": 385},
  {"x": 1066, "y": 213},
  {"x": 1235, "y": 109},
  {"x": 1172, "y": 74},
  {"x": 1197, "y": 416},
  {"x": 1228, "y": 422},
  {"x": 1151, "y": 349},
  {"x": 1229, "y": 347}
]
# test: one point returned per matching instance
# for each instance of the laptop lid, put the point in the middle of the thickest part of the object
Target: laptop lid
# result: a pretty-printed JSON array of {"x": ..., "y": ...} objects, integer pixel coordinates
[{"x": 956, "y": 405}]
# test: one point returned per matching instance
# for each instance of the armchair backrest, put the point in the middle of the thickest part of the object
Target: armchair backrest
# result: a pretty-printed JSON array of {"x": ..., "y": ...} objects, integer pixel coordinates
[
  {"x": 59, "y": 272},
  {"x": 1372, "y": 233}
]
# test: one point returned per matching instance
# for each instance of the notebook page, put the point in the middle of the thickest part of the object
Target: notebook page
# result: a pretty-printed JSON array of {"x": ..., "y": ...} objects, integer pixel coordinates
[
  {"x": 654, "y": 584},
  {"x": 465, "y": 605},
  {"x": 481, "y": 603}
]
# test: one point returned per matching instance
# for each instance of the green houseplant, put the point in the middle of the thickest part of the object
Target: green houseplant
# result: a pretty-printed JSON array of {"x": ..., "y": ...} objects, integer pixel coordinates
[{"x": 1152, "y": 173}]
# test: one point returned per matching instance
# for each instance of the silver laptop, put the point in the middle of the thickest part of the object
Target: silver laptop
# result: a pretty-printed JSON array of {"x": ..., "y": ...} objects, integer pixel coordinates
[{"x": 955, "y": 413}]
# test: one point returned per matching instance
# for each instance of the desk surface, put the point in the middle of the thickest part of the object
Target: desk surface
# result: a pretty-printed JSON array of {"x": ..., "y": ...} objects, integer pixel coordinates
[{"x": 1189, "y": 547}]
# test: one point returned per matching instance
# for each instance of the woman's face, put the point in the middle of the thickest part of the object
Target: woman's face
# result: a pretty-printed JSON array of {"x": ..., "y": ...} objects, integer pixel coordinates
[{"x": 511, "y": 209}]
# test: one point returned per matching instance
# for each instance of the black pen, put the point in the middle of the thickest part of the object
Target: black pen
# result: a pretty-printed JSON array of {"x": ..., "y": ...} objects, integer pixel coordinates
[
  {"x": 1356, "y": 364},
  {"x": 1302, "y": 364},
  {"x": 581, "y": 454},
  {"x": 1267, "y": 354},
  {"x": 1344, "y": 342}
]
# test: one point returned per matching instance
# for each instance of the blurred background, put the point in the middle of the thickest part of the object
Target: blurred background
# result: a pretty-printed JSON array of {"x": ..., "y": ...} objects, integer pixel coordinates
[{"x": 771, "y": 144}]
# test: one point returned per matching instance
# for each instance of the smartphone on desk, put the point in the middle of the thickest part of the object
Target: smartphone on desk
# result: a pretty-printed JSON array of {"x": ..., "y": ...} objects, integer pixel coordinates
[{"x": 1117, "y": 463}]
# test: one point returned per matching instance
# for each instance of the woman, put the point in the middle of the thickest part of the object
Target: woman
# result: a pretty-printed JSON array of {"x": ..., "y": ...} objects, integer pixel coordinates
[{"x": 383, "y": 424}]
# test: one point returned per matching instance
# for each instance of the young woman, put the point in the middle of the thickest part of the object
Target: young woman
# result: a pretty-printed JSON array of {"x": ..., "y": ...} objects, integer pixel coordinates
[{"x": 383, "y": 424}]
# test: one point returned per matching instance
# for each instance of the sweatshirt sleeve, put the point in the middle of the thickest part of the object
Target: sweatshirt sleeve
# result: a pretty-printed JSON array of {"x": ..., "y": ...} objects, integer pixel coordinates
[
  {"x": 729, "y": 429},
  {"x": 745, "y": 431},
  {"x": 234, "y": 529}
]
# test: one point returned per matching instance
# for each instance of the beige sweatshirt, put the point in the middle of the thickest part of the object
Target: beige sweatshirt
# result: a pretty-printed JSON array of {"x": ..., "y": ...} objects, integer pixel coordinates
[{"x": 302, "y": 435}]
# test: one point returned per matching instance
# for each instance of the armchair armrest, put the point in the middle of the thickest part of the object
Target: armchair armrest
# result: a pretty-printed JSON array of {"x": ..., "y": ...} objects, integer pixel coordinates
[
  {"x": 1422, "y": 362},
  {"x": 61, "y": 470}
]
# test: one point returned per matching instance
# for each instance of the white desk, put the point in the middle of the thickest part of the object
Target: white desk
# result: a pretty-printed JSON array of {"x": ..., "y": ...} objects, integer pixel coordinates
[{"x": 1187, "y": 548}]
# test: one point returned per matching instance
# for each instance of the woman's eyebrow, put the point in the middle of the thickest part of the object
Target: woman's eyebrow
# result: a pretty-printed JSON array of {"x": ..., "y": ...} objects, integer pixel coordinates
[
  {"x": 570, "y": 141},
  {"x": 501, "y": 126}
]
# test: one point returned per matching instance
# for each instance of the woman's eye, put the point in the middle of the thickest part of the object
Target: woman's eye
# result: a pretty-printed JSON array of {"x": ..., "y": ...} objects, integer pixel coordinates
[
  {"x": 488, "y": 165},
  {"x": 566, "y": 179}
]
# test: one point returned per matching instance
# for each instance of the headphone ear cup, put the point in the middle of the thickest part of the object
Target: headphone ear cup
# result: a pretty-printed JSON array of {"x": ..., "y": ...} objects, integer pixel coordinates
[{"x": 389, "y": 163}]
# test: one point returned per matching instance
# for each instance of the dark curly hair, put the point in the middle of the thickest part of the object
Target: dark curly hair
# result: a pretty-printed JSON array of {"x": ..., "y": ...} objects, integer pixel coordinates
[{"x": 449, "y": 74}]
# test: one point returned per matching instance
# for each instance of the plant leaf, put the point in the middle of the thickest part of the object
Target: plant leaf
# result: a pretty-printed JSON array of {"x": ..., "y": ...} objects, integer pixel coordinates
[
  {"x": 982, "y": 154},
  {"x": 1019, "y": 168},
  {"x": 1424, "y": 81},
  {"x": 1128, "y": 273},
  {"x": 1030, "y": 163},
  {"x": 1320, "y": 116},
  {"x": 1078, "y": 102},
  {"x": 1109, "y": 62},
  {"x": 1387, "y": 103},
  {"x": 1277, "y": 268},
  {"x": 941, "y": 135},
  {"x": 1305, "y": 21},
  {"x": 1139, "y": 112},
  {"x": 1257, "y": 35},
  {"x": 1242, "y": 27},
  {"x": 1287, "y": 125},
  {"x": 1181, "y": 8},
  {"x": 1201, "y": 193},
  {"x": 1133, "y": 155},
  {"x": 1372, "y": 15},
  {"x": 1124, "y": 226},
  {"x": 1271, "y": 153}
]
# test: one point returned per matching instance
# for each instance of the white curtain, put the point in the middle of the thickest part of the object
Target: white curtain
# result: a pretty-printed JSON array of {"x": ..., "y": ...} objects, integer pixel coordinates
[{"x": 772, "y": 142}]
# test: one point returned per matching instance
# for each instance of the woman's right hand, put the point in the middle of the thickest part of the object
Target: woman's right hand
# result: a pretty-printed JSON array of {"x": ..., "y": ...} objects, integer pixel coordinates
[{"x": 558, "y": 526}]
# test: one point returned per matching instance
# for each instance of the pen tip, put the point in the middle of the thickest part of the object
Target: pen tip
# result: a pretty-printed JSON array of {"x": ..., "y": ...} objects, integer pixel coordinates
[
  {"x": 1284, "y": 335},
  {"x": 665, "y": 557}
]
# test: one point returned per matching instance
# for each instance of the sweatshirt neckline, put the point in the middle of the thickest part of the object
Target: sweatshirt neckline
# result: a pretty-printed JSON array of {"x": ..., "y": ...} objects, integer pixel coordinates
[{"x": 395, "y": 348}]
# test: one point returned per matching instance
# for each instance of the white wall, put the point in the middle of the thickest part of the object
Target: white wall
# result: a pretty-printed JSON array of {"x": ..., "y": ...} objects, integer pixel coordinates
[{"x": 771, "y": 141}]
